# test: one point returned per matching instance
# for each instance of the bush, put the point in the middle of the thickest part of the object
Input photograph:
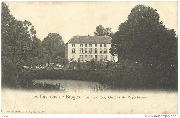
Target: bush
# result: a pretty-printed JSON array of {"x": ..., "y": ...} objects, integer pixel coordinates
[{"x": 133, "y": 76}]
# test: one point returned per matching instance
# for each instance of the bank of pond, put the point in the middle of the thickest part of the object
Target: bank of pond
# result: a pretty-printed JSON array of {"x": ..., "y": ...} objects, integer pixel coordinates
[{"x": 103, "y": 79}]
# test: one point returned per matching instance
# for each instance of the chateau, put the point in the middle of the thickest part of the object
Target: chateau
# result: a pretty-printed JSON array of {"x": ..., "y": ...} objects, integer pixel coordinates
[{"x": 86, "y": 48}]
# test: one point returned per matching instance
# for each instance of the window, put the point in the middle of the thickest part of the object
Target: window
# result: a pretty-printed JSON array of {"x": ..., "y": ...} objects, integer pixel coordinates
[
  {"x": 81, "y": 45},
  {"x": 73, "y": 45},
  {"x": 95, "y": 57},
  {"x": 90, "y": 50},
  {"x": 85, "y": 56},
  {"x": 105, "y": 58},
  {"x": 100, "y": 45},
  {"x": 105, "y": 50},
  {"x": 90, "y": 45},
  {"x": 73, "y": 50},
  {"x": 85, "y": 45},
  {"x": 81, "y": 50},
  {"x": 101, "y": 57},
  {"x": 95, "y": 50},
  {"x": 81, "y": 57},
  {"x": 104, "y": 45},
  {"x": 85, "y": 50},
  {"x": 101, "y": 50},
  {"x": 91, "y": 57},
  {"x": 95, "y": 45}
]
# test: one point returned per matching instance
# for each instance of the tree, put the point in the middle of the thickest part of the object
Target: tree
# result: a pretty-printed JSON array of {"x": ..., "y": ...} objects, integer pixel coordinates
[
  {"x": 55, "y": 48},
  {"x": 18, "y": 45},
  {"x": 142, "y": 38},
  {"x": 101, "y": 31},
  {"x": 37, "y": 52}
]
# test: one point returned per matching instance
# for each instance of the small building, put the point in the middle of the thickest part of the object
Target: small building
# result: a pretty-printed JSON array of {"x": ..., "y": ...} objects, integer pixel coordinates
[{"x": 87, "y": 48}]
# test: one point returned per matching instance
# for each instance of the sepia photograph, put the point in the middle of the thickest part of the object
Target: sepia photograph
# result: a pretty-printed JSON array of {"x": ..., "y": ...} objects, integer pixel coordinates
[{"x": 89, "y": 57}]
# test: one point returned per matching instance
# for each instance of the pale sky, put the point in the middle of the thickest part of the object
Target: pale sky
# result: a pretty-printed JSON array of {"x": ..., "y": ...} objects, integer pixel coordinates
[{"x": 81, "y": 18}]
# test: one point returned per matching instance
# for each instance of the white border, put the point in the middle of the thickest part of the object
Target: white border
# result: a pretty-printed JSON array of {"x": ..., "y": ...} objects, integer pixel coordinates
[{"x": 93, "y": 115}]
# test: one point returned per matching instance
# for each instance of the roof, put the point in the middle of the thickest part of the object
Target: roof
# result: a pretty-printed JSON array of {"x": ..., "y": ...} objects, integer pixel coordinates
[{"x": 90, "y": 40}]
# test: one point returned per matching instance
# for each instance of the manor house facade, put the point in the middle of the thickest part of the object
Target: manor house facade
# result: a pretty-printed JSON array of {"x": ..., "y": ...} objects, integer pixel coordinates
[{"x": 87, "y": 48}]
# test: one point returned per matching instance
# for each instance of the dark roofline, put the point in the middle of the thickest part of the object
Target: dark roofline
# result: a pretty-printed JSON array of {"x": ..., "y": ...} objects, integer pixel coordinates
[{"x": 69, "y": 42}]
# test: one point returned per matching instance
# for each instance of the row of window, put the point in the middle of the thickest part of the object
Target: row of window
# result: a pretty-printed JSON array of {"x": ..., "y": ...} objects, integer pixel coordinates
[
  {"x": 90, "y": 50},
  {"x": 96, "y": 57},
  {"x": 90, "y": 45}
]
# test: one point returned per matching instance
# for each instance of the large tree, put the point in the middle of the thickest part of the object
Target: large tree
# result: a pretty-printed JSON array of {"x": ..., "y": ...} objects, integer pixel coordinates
[
  {"x": 18, "y": 44},
  {"x": 143, "y": 38},
  {"x": 101, "y": 31},
  {"x": 54, "y": 47}
]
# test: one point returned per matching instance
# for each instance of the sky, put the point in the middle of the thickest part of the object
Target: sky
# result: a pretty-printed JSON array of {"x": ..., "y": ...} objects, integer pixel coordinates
[{"x": 81, "y": 18}]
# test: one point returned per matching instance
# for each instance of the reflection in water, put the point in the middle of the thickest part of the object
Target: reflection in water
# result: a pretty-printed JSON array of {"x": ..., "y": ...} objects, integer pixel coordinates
[{"x": 72, "y": 85}]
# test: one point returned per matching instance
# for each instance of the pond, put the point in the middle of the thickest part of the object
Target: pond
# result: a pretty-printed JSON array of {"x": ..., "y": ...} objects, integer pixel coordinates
[{"x": 72, "y": 85}]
